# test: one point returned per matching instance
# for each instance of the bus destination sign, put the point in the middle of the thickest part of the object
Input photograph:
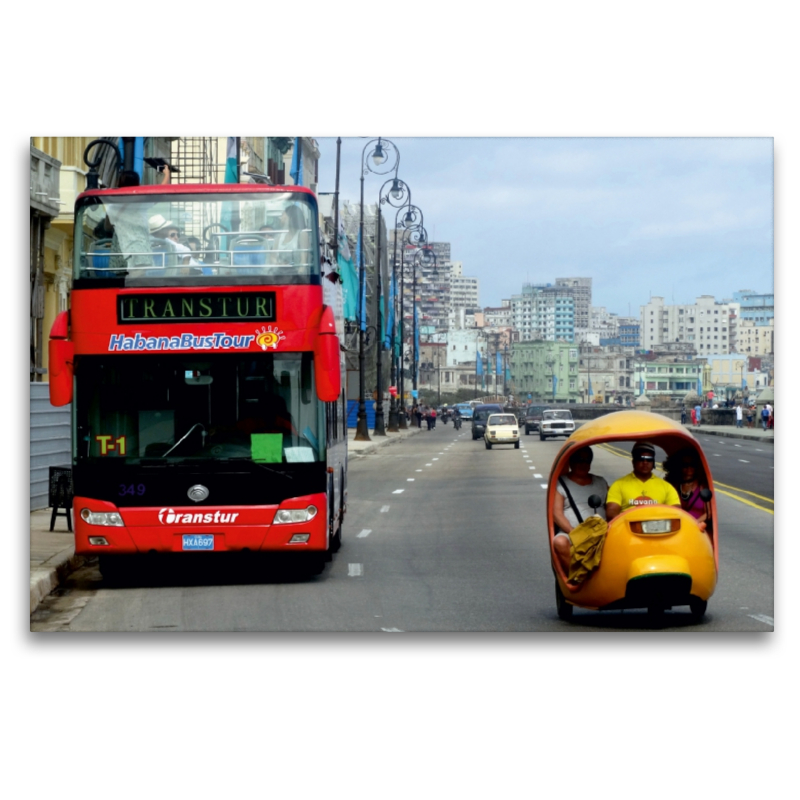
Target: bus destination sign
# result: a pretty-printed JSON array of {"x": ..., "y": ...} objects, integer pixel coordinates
[{"x": 207, "y": 307}]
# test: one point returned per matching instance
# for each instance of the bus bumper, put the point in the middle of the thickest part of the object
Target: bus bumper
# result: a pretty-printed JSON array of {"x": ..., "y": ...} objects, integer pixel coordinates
[{"x": 103, "y": 528}]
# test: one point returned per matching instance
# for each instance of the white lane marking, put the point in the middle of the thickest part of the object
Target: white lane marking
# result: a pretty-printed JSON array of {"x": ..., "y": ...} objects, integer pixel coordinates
[
  {"x": 531, "y": 467},
  {"x": 434, "y": 459},
  {"x": 737, "y": 445},
  {"x": 417, "y": 470},
  {"x": 355, "y": 570},
  {"x": 384, "y": 509},
  {"x": 410, "y": 480},
  {"x": 718, "y": 455},
  {"x": 429, "y": 465},
  {"x": 544, "y": 486},
  {"x": 392, "y": 630},
  {"x": 744, "y": 461},
  {"x": 759, "y": 451},
  {"x": 536, "y": 475},
  {"x": 398, "y": 491},
  {"x": 762, "y": 618},
  {"x": 363, "y": 535},
  {"x": 441, "y": 454}
]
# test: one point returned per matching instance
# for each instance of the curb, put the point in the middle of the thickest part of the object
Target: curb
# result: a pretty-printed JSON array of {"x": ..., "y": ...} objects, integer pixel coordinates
[
  {"x": 382, "y": 442},
  {"x": 732, "y": 435},
  {"x": 45, "y": 578}
]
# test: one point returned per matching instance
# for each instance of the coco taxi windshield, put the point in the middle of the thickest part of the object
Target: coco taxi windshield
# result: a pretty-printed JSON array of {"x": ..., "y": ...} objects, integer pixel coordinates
[{"x": 156, "y": 238}]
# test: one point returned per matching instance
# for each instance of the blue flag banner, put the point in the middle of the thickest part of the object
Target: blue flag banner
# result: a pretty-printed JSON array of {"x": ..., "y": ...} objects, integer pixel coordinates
[
  {"x": 387, "y": 342},
  {"x": 591, "y": 393},
  {"x": 699, "y": 387},
  {"x": 479, "y": 363},
  {"x": 362, "y": 285},
  {"x": 555, "y": 384},
  {"x": 231, "y": 176},
  {"x": 416, "y": 336},
  {"x": 296, "y": 170},
  {"x": 231, "y": 167},
  {"x": 499, "y": 370}
]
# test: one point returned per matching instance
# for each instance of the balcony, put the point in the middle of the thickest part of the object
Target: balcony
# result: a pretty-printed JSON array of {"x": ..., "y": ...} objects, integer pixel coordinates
[{"x": 45, "y": 171}]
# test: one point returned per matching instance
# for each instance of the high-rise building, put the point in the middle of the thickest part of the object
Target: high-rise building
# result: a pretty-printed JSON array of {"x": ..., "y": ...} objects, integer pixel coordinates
[
  {"x": 707, "y": 326},
  {"x": 581, "y": 289}
]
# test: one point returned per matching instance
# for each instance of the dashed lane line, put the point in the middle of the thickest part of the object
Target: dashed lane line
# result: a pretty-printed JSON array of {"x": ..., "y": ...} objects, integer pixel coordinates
[
  {"x": 398, "y": 491},
  {"x": 363, "y": 535},
  {"x": 543, "y": 485},
  {"x": 384, "y": 509},
  {"x": 762, "y": 618},
  {"x": 355, "y": 570}
]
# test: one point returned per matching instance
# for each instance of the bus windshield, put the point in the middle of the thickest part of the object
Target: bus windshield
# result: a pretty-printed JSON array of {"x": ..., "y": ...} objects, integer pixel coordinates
[
  {"x": 261, "y": 408},
  {"x": 197, "y": 238}
]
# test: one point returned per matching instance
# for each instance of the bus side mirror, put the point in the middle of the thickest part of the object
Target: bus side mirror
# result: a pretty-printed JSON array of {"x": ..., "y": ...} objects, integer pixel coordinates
[
  {"x": 327, "y": 364},
  {"x": 61, "y": 355},
  {"x": 705, "y": 495}
]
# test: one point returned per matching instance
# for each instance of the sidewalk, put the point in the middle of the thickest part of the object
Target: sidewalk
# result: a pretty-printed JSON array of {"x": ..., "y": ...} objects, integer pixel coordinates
[
  {"x": 732, "y": 432},
  {"x": 53, "y": 552}
]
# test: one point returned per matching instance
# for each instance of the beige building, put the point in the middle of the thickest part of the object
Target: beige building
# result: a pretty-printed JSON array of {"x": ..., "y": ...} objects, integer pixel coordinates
[
  {"x": 707, "y": 326},
  {"x": 756, "y": 340}
]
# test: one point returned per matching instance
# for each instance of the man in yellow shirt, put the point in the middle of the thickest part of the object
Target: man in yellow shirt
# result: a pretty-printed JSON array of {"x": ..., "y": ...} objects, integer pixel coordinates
[{"x": 640, "y": 487}]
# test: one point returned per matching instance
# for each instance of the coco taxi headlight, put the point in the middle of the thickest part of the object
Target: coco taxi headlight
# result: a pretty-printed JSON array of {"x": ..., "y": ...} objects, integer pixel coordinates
[
  {"x": 656, "y": 526},
  {"x": 107, "y": 518},
  {"x": 285, "y": 515}
]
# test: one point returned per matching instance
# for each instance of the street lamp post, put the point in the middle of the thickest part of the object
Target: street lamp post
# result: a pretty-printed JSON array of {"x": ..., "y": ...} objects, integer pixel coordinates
[
  {"x": 397, "y": 194},
  {"x": 423, "y": 255},
  {"x": 412, "y": 221},
  {"x": 385, "y": 158}
]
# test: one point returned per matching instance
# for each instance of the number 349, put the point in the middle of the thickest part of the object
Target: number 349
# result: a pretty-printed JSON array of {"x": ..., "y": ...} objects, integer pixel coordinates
[{"x": 131, "y": 489}]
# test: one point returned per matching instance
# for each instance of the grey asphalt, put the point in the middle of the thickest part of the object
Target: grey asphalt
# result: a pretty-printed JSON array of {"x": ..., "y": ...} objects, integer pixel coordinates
[{"x": 52, "y": 555}]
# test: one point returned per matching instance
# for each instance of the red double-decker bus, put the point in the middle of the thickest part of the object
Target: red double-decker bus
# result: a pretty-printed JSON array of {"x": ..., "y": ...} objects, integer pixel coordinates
[{"x": 201, "y": 357}]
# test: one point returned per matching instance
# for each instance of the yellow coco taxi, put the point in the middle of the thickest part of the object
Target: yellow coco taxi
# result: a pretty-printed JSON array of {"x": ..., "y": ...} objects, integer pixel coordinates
[
  {"x": 653, "y": 556},
  {"x": 501, "y": 429}
]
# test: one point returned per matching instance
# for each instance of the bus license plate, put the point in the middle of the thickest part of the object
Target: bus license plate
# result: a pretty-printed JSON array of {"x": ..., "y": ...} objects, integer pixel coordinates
[{"x": 198, "y": 541}]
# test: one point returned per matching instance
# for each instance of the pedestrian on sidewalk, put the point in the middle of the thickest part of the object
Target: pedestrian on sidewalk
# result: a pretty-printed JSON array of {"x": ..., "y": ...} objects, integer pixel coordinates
[
  {"x": 750, "y": 413},
  {"x": 765, "y": 416},
  {"x": 738, "y": 415},
  {"x": 698, "y": 410},
  {"x": 683, "y": 415},
  {"x": 433, "y": 418}
]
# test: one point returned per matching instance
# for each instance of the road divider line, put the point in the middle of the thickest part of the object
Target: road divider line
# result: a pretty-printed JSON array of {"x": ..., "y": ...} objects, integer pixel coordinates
[
  {"x": 746, "y": 502},
  {"x": 355, "y": 570},
  {"x": 543, "y": 485},
  {"x": 762, "y": 618},
  {"x": 398, "y": 491},
  {"x": 384, "y": 509},
  {"x": 537, "y": 475},
  {"x": 743, "y": 491},
  {"x": 392, "y": 630},
  {"x": 363, "y": 535}
]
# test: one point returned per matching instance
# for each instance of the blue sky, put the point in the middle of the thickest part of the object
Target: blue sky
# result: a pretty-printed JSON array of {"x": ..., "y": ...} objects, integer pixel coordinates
[{"x": 676, "y": 217}]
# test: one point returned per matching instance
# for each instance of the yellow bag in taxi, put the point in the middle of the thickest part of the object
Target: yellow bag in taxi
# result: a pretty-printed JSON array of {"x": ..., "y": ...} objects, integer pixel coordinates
[{"x": 586, "y": 548}]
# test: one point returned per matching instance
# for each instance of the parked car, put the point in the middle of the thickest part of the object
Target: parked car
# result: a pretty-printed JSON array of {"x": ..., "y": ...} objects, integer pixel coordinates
[
  {"x": 501, "y": 429},
  {"x": 533, "y": 416},
  {"x": 479, "y": 416},
  {"x": 556, "y": 422}
]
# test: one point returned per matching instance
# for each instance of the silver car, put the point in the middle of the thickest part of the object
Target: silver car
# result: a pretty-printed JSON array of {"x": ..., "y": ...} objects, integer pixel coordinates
[{"x": 556, "y": 422}]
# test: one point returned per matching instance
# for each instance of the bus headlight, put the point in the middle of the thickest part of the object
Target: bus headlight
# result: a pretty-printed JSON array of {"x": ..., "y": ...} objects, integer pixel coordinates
[
  {"x": 285, "y": 515},
  {"x": 108, "y": 518}
]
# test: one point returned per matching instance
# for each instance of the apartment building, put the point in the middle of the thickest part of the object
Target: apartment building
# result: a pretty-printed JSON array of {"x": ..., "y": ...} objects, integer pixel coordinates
[
  {"x": 707, "y": 326},
  {"x": 545, "y": 372},
  {"x": 581, "y": 291}
]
